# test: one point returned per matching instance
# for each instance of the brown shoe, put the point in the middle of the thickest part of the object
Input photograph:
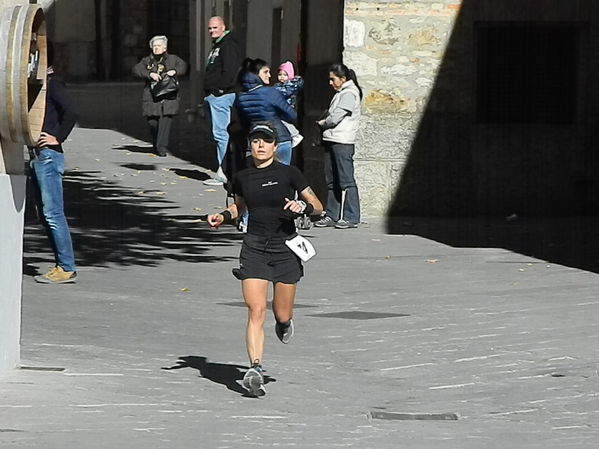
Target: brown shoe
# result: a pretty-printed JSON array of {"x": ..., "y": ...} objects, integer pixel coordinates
[{"x": 56, "y": 276}]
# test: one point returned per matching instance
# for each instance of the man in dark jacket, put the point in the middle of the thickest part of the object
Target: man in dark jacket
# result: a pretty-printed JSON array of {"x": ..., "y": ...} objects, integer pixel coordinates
[
  {"x": 219, "y": 86},
  {"x": 47, "y": 165}
]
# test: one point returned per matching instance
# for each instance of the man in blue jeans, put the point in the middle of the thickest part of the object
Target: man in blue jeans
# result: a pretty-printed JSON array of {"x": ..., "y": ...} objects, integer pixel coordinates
[
  {"x": 219, "y": 85},
  {"x": 47, "y": 166}
]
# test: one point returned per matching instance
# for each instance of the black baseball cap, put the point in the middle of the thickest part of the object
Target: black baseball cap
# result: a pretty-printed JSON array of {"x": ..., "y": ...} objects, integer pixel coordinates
[{"x": 266, "y": 130}]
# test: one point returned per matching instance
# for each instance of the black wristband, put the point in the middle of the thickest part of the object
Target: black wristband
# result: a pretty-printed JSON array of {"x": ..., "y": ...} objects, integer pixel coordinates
[
  {"x": 309, "y": 209},
  {"x": 227, "y": 217}
]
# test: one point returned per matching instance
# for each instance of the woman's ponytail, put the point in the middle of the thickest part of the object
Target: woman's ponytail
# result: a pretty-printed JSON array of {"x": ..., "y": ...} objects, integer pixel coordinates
[{"x": 354, "y": 78}]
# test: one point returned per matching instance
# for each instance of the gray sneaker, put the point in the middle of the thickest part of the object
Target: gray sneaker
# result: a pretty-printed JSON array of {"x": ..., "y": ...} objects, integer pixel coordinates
[
  {"x": 253, "y": 381},
  {"x": 284, "y": 331},
  {"x": 342, "y": 224},
  {"x": 325, "y": 222}
]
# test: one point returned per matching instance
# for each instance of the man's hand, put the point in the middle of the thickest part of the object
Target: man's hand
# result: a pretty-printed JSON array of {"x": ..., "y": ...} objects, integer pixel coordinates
[
  {"x": 46, "y": 139},
  {"x": 155, "y": 76},
  {"x": 171, "y": 73}
]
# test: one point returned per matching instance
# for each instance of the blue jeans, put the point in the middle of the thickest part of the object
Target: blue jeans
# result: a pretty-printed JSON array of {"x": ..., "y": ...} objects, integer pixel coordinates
[
  {"x": 48, "y": 167},
  {"x": 339, "y": 176},
  {"x": 284, "y": 153},
  {"x": 220, "y": 115}
]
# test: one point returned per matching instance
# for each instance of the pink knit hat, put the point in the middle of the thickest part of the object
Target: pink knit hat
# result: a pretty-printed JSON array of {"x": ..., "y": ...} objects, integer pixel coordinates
[{"x": 287, "y": 66}]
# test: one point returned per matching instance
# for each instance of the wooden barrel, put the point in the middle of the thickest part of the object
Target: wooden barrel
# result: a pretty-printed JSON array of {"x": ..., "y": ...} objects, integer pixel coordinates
[{"x": 23, "y": 65}]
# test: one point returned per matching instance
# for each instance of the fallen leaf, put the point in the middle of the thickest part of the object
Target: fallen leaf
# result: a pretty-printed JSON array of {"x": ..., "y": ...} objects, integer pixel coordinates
[
  {"x": 432, "y": 260},
  {"x": 210, "y": 190},
  {"x": 184, "y": 289}
]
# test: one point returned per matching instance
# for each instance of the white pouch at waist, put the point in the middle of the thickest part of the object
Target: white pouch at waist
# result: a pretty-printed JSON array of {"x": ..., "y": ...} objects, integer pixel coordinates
[{"x": 301, "y": 247}]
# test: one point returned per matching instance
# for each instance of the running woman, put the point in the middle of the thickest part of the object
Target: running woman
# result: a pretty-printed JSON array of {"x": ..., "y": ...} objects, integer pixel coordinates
[{"x": 267, "y": 189}]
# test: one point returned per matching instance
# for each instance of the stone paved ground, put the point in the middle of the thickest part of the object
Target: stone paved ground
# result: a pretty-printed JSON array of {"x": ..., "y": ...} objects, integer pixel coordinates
[{"x": 146, "y": 350}]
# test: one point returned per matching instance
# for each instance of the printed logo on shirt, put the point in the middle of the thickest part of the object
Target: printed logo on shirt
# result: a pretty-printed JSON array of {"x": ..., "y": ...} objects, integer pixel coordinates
[
  {"x": 213, "y": 55},
  {"x": 270, "y": 183}
]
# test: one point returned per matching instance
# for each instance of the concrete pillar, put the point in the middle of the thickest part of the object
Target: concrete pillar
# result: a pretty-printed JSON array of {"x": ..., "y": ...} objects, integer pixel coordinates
[{"x": 12, "y": 205}]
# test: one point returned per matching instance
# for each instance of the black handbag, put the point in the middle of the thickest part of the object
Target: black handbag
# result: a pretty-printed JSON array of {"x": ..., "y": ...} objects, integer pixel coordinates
[{"x": 166, "y": 88}]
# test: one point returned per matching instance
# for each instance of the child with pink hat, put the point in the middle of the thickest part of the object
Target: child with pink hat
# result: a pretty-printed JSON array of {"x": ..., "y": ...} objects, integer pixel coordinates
[{"x": 290, "y": 85}]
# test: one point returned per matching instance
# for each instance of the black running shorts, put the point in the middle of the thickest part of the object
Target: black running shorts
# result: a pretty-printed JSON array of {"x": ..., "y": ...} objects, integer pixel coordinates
[{"x": 269, "y": 259}]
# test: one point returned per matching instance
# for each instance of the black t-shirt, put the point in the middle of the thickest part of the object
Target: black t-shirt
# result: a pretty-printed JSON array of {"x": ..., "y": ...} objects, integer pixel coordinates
[{"x": 264, "y": 191}]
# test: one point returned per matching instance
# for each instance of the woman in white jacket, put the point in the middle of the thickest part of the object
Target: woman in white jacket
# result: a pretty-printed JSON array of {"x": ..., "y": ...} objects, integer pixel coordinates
[{"x": 340, "y": 127}]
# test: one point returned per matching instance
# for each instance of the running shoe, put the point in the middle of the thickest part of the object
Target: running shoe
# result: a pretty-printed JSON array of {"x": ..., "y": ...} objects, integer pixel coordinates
[
  {"x": 284, "y": 331},
  {"x": 253, "y": 381}
]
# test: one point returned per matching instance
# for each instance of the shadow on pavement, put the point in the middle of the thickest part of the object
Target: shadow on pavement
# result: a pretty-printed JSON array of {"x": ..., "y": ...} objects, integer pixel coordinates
[
  {"x": 146, "y": 149},
  {"x": 190, "y": 138},
  {"x": 111, "y": 224},
  {"x": 570, "y": 241},
  {"x": 221, "y": 373}
]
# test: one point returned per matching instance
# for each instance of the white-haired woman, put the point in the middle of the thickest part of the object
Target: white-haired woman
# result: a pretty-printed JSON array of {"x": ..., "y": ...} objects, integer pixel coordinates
[{"x": 159, "y": 111}]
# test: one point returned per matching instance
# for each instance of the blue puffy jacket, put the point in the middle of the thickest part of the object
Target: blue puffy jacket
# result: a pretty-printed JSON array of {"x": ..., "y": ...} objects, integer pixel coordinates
[{"x": 258, "y": 103}]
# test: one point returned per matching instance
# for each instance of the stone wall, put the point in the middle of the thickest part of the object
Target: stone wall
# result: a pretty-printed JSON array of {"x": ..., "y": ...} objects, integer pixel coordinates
[
  {"x": 427, "y": 146},
  {"x": 395, "y": 48}
]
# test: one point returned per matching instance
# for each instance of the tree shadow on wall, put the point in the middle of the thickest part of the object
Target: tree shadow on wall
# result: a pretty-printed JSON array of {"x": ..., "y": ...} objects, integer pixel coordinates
[
  {"x": 494, "y": 162},
  {"x": 111, "y": 224}
]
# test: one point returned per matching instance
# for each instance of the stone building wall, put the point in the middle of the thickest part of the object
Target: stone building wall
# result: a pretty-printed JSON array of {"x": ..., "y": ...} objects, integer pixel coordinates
[
  {"x": 395, "y": 48},
  {"x": 441, "y": 135}
]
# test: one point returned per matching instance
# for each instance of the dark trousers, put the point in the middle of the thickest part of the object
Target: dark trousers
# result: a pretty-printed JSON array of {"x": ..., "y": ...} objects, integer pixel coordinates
[
  {"x": 160, "y": 128},
  {"x": 339, "y": 176}
]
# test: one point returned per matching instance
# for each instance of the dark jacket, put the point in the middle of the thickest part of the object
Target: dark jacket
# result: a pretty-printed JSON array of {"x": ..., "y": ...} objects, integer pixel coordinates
[
  {"x": 257, "y": 103},
  {"x": 61, "y": 112},
  {"x": 142, "y": 70},
  {"x": 222, "y": 66}
]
